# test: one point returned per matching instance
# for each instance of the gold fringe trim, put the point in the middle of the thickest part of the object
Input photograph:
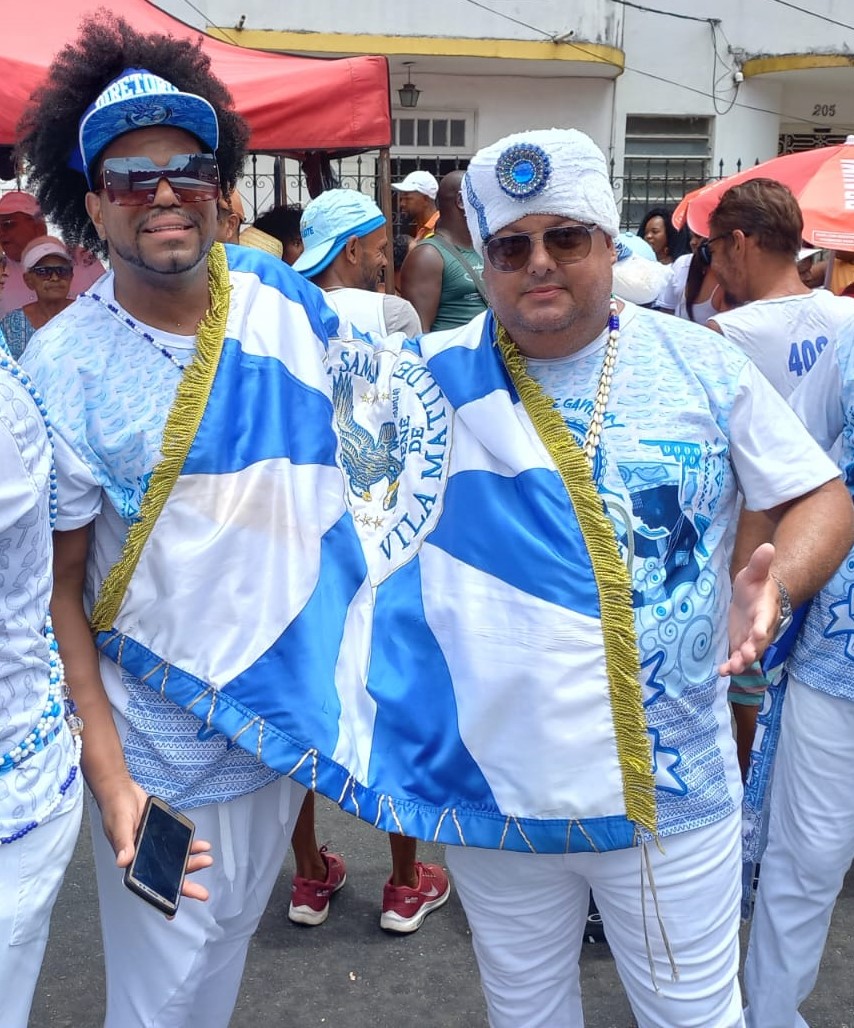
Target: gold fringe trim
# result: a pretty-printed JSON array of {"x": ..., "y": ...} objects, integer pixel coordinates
[
  {"x": 181, "y": 426},
  {"x": 622, "y": 659}
]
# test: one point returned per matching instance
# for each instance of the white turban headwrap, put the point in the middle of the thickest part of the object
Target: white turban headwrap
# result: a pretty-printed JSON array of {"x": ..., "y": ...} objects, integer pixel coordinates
[{"x": 547, "y": 171}]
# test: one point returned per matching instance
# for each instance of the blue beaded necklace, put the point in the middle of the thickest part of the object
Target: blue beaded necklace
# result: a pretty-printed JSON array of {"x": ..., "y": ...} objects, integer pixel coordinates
[
  {"x": 127, "y": 320},
  {"x": 59, "y": 707}
]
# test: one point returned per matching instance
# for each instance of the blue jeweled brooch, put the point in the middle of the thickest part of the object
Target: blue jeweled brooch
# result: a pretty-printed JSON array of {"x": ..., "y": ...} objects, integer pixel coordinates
[{"x": 523, "y": 170}]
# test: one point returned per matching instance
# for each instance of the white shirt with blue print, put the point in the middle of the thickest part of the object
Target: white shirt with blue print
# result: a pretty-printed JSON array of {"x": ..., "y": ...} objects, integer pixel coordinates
[
  {"x": 26, "y": 579},
  {"x": 784, "y": 336},
  {"x": 109, "y": 392},
  {"x": 823, "y": 655},
  {"x": 690, "y": 423}
]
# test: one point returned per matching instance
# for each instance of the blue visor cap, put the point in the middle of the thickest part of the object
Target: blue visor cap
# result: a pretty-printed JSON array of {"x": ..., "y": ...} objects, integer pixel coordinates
[
  {"x": 329, "y": 221},
  {"x": 139, "y": 99}
]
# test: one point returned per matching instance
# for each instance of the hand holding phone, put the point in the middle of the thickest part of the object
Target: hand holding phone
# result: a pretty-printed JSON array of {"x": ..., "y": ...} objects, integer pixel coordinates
[{"x": 164, "y": 841}]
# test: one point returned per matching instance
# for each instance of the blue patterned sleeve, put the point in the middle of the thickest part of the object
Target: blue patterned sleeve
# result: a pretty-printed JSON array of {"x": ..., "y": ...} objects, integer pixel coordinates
[{"x": 57, "y": 378}]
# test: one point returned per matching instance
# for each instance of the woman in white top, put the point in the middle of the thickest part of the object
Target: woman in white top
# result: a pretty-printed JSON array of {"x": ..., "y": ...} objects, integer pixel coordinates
[{"x": 693, "y": 292}]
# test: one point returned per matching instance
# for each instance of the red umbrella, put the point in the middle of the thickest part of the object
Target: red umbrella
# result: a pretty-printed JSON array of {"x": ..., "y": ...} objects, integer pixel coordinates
[{"x": 822, "y": 181}]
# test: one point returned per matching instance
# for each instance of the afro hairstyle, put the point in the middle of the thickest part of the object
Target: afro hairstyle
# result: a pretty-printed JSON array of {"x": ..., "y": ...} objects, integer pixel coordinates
[{"x": 79, "y": 73}]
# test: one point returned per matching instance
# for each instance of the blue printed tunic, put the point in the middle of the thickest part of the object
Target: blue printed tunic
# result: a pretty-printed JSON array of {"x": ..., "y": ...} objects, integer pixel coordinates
[
  {"x": 689, "y": 424},
  {"x": 30, "y": 788},
  {"x": 823, "y": 655},
  {"x": 109, "y": 400}
]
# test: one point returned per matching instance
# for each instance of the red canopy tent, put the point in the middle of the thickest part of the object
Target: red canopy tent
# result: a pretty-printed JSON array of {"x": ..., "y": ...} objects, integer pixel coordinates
[{"x": 293, "y": 104}]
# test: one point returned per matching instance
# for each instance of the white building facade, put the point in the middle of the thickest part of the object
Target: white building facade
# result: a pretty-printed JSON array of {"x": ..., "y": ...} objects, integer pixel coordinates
[{"x": 674, "y": 92}]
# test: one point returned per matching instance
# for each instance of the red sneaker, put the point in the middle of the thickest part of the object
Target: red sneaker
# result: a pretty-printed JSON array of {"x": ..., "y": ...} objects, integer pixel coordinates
[
  {"x": 310, "y": 897},
  {"x": 404, "y": 909}
]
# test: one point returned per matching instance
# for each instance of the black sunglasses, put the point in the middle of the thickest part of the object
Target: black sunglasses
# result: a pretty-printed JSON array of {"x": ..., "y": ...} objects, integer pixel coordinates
[
  {"x": 133, "y": 181},
  {"x": 705, "y": 252},
  {"x": 567, "y": 244},
  {"x": 61, "y": 271}
]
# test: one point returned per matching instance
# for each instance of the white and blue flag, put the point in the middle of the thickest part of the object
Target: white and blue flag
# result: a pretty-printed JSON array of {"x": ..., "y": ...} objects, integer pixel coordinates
[{"x": 352, "y": 582}]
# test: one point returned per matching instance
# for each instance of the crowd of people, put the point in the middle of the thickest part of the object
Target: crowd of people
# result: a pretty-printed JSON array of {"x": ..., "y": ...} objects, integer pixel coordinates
[{"x": 483, "y": 561}]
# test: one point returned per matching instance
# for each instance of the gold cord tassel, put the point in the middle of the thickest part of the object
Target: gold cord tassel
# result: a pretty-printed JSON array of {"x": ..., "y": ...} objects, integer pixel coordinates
[
  {"x": 622, "y": 660},
  {"x": 182, "y": 424}
]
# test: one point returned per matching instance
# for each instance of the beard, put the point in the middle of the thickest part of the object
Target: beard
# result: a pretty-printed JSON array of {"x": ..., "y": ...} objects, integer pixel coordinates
[
  {"x": 564, "y": 329},
  {"x": 369, "y": 276},
  {"x": 176, "y": 264},
  {"x": 154, "y": 261}
]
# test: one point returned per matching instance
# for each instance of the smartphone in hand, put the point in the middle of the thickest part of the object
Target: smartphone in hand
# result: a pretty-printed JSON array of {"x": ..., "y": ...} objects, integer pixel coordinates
[{"x": 163, "y": 842}]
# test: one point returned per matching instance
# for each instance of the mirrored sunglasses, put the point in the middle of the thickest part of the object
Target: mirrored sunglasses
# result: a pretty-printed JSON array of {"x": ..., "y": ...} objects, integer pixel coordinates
[
  {"x": 61, "y": 271},
  {"x": 133, "y": 181},
  {"x": 567, "y": 244}
]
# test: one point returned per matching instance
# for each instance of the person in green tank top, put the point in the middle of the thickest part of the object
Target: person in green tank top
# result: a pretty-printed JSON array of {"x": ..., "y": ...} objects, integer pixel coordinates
[{"x": 441, "y": 276}]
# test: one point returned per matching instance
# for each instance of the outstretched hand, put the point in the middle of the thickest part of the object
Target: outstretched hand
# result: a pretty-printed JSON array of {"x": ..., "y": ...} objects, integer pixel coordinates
[{"x": 753, "y": 613}]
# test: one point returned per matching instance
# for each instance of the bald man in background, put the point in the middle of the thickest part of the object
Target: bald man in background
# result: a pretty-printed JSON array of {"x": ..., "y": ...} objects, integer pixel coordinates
[{"x": 441, "y": 276}]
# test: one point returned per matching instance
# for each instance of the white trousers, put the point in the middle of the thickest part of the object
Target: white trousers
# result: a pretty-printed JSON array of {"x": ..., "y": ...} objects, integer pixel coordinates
[
  {"x": 31, "y": 872},
  {"x": 186, "y": 973},
  {"x": 527, "y": 913},
  {"x": 810, "y": 848}
]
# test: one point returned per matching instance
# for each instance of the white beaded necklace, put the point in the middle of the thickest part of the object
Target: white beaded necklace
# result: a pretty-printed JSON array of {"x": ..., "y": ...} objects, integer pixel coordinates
[
  {"x": 594, "y": 430},
  {"x": 59, "y": 706}
]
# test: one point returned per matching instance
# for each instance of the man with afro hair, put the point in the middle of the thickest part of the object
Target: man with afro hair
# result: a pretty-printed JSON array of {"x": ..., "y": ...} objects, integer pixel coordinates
[{"x": 128, "y": 146}]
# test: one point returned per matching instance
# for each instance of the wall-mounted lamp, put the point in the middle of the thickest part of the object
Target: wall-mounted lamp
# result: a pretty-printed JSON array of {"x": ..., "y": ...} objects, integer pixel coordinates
[{"x": 408, "y": 93}]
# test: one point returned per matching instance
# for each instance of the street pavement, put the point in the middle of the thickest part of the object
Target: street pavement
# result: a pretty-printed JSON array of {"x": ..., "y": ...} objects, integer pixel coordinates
[{"x": 348, "y": 973}]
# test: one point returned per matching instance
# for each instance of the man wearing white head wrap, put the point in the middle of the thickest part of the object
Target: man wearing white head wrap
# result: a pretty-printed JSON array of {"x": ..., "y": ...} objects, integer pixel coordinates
[
  {"x": 626, "y": 426},
  {"x": 549, "y": 171}
]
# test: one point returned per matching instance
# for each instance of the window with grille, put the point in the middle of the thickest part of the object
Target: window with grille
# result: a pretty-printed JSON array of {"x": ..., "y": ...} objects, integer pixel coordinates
[
  {"x": 665, "y": 158},
  {"x": 797, "y": 142},
  {"x": 432, "y": 132}
]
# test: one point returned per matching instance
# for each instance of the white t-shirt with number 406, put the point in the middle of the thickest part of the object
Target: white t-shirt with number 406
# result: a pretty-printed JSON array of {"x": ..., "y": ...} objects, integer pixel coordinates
[{"x": 784, "y": 336}]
